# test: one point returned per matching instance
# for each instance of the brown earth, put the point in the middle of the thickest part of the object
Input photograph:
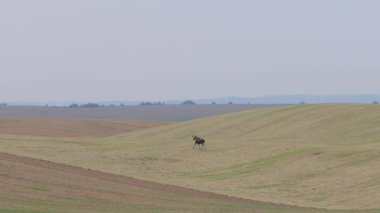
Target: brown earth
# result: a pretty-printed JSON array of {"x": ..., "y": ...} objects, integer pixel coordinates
[
  {"x": 60, "y": 127},
  {"x": 43, "y": 186},
  {"x": 93, "y": 174},
  {"x": 38, "y": 185}
]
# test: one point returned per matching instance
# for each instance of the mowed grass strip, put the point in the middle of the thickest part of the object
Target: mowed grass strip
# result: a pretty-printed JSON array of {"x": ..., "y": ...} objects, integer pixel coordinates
[
  {"x": 248, "y": 169},
  {"x": 323, "y": 156}
]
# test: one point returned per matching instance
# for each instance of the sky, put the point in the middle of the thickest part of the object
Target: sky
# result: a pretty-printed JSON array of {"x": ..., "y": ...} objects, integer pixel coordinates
[{"x": 94, "y": 50}]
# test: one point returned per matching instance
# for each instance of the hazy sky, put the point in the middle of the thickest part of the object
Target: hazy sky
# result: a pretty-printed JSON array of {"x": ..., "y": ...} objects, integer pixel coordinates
[{"x": 88, "y": 50}]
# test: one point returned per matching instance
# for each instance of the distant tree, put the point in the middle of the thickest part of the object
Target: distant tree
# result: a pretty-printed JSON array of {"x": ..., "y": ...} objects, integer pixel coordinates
[
  {"x": 188, "y": 102},
  {"x": 3, "y": 104},
  {"x": 151, "y": 103},
  {"x": 74, "y": 106},
  {"x": 111, "y": 105},
  {"x": 230, "y": 102},
  {"x": 302, "y": 102},
  {"x": 90, "y": 105},
  {"x": 375, "y": 102},
  {"x": 122, "y": 105},
  {"x": 213, "y": 103}
]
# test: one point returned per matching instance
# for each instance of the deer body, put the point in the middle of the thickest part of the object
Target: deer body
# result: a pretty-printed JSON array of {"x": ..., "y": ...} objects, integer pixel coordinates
[{"x": 200, "y": 142}]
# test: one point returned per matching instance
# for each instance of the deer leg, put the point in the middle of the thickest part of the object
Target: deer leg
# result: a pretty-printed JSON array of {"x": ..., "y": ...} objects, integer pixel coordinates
[{"x": 194, "y": 145}]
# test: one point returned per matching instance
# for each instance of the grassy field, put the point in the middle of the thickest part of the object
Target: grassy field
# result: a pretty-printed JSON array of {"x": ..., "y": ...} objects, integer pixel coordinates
[
  {"x": 29, "y": 185},
  {"x": 323, "y": 156}
]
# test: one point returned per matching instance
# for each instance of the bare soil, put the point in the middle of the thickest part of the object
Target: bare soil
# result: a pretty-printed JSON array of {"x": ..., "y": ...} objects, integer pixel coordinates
[
  {"x": 43, "y": 186},
  {"x": 93, "y": 174},
  {"x": 59, "y": 127}
]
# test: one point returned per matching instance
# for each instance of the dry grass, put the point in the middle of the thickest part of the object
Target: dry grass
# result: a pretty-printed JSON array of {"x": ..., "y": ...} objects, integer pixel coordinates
[
  {"x": 30, "y": 185},
  {"x": 324, "y": 156}
]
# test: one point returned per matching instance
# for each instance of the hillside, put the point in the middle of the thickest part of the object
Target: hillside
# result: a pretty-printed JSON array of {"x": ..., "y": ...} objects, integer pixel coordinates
[
  {"x": 59, "y": 127},
  {"x": 324, "y": 156},
  {"x": 32, "y": 185}
]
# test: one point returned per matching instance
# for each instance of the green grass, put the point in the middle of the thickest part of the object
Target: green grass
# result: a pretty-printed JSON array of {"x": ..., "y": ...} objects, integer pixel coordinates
[
  {"x": 323, "y": 156},
  {"x": 249, "y": 168}
]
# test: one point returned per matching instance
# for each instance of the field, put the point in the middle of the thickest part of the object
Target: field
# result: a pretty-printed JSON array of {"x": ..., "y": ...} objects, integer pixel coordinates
[
  {"x": 30, "y": 185},
  {"x": 155, "y": 112},
  {"x": 320, "y": 156},
  {"x": 61, "y": 127}
]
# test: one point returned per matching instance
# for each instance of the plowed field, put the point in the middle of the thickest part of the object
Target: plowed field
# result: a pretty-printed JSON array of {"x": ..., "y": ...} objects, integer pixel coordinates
[
  {"x": 32, "y": 185},
  {"x": 59, "y": 127}
]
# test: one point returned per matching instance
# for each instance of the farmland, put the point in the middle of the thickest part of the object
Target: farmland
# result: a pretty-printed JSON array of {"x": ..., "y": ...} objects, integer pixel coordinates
[
  {"x": 157, "y": 113},
  {"x": 319, "y": 156},
  {"x": 30, "y": 185},
  {"x": 61, "y": 127}
]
